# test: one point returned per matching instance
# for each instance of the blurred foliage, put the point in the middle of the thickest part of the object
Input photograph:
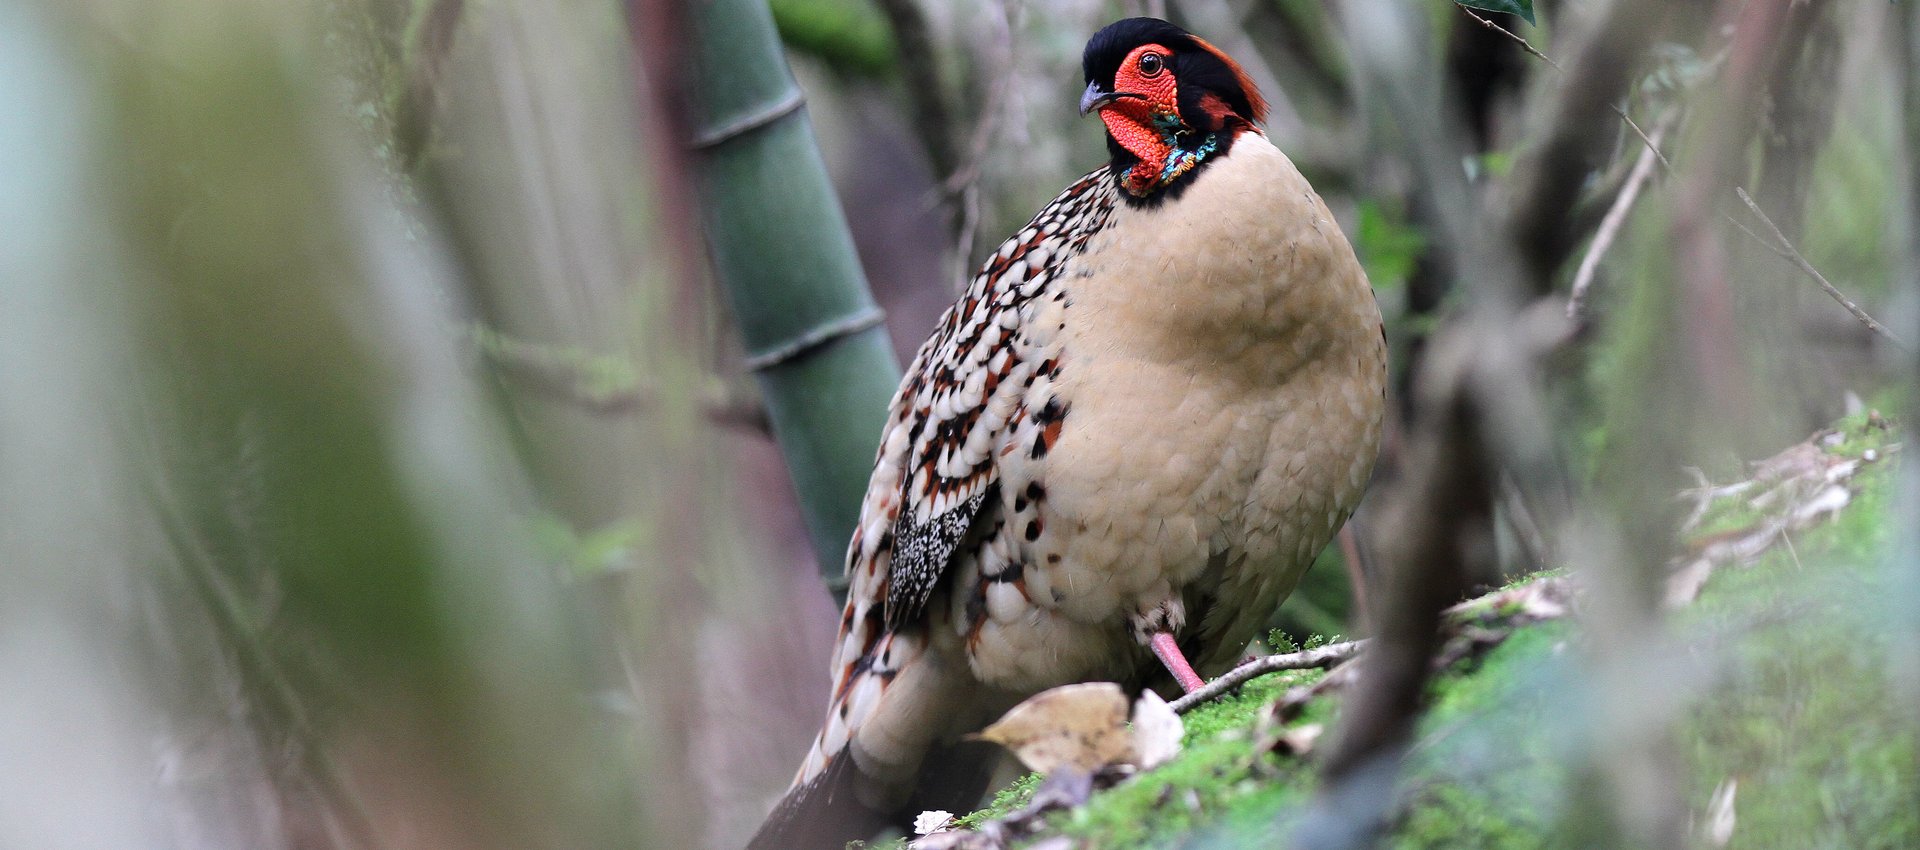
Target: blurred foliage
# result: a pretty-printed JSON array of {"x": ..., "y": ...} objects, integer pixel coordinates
[
  {"x": 1388, "y": 246},
  {"x": 592, "y": 553},
  {"x": 850, "y": 36}
]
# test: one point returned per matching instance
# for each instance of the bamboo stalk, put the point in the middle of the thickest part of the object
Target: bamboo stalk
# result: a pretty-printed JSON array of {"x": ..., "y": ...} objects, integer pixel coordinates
[{"x": 781, "y": 251}]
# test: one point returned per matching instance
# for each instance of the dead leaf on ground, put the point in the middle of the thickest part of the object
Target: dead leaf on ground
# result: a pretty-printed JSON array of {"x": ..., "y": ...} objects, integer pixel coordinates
[
  {"x": 1157, "y": 731},
  {"x": 1084, "y": 728}
]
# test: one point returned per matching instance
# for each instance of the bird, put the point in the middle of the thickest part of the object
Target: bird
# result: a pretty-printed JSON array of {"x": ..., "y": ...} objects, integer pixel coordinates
[{"x": 1116, "y": 453}]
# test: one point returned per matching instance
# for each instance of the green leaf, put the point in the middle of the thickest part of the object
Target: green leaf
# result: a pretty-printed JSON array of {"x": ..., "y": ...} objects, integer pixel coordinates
[{"x": 1523, "y": 8}]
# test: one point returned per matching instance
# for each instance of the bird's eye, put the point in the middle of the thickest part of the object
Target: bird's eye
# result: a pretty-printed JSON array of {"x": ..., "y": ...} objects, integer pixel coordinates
[{"x": 1151, "y": 65}]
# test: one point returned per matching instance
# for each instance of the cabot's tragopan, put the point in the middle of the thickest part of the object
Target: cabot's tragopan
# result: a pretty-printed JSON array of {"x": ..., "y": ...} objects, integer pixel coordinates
[{"x": 1149, "y": 412}]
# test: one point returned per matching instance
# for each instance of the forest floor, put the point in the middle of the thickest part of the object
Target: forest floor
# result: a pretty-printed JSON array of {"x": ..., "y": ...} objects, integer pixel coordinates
[{"x": 1792, "y": 726}]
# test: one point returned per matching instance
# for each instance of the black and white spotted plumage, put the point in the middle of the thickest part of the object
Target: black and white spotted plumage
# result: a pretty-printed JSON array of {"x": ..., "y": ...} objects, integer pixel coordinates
[
  {"x": 964, "y": 392},
  {"x": 967, "y": 399}
]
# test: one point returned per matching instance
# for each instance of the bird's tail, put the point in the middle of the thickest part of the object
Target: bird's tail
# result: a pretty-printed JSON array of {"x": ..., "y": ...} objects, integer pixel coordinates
[
  {"x": 826, "y": 811},
  {"x": 821, "y": 812},
  {"x": 878, "y": 759}
]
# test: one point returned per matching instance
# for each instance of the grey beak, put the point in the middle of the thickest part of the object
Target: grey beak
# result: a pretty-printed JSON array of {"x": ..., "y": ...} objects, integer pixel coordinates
[{"x": 1093, "y": 99}]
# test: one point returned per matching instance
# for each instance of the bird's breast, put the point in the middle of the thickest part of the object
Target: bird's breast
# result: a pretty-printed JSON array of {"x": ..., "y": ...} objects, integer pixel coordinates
[{"x": 1221, "y": 375}]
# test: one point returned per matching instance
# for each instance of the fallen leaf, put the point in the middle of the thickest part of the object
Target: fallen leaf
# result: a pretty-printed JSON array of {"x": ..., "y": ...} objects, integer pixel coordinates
[
  {"x": 1157, "y": 731},
  {"x": 1082, "y": 727}
]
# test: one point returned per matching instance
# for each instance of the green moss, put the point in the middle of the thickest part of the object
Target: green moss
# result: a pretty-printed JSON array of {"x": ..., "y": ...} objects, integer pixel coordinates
[
  {"x": 1005, "y": 802},
  {"x": 1797, "y": 711}
]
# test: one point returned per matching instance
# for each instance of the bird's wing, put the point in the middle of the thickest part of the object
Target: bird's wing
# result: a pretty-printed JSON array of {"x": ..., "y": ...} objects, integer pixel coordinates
[
  {"x": 958, "y": 407},
  {"x": 935, "y": 478}
]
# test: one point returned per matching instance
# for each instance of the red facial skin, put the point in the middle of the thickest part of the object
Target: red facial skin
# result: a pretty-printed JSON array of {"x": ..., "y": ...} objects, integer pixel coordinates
[{"x": 1130, "y": 119}]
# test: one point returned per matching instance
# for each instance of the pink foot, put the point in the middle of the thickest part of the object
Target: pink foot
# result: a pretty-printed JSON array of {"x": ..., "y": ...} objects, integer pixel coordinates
[{"x": 1169, "y": 653}]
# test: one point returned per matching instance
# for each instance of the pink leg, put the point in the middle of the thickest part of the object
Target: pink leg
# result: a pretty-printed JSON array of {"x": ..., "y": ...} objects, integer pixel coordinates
[{"x": 1169, "y": 653}]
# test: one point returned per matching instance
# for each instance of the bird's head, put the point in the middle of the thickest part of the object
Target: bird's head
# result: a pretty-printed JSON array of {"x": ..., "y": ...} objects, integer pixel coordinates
[{"x": 1170, "y": 101}]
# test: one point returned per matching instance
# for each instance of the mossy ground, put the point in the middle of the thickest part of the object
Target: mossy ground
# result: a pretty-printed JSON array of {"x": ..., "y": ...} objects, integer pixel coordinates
[{"x": 1781, "y": 669}]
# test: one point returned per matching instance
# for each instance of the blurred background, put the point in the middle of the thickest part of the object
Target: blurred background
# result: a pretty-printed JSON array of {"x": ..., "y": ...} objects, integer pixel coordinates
[{"x": 389, "y": 388}]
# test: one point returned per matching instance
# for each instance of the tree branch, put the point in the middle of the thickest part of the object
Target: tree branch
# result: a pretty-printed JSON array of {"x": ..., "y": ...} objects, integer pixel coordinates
[
  {"x": 1325, "y": 656},
  {"x": 1616, "y": 217},
  {"x": 1524, "y": 44},
  {"x": 1558, "y": 166},
  {"x": 1783, "y": 246}
]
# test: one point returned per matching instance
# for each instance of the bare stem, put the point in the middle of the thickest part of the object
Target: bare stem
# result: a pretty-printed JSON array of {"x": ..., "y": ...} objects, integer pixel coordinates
[
  {"x": 1610, "y": 226},
  {"x": 1616, "y": 217},
  {"x": 1784, "y": 247},
  {"x": 1311, "y": 659},
  {"x": 1524, "y": 44},
  {"x": 1652, "y": 144}
]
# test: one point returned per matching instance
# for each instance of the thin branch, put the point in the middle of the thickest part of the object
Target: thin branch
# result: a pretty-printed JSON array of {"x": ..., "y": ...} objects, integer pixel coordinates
[
  {"x": 1526, "y": 529},
  {"x": 1524, "y": 44},
  {"x": 1784, "y": 247},
  {"x": 1615, "y": 218},
  {"x": 1652, "y": 144},
  {"x": 961, "y": 185},
  {"x": 1780, "y": 245},
  {"x": 273, "y": 702},
  {"x": 1558, "y": 164},
  {"x": 1312, "y": 659}
]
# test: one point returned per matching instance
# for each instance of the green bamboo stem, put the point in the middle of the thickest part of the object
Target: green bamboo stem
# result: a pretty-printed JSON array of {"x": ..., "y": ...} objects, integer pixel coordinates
[{"x": 782, "y": 253}]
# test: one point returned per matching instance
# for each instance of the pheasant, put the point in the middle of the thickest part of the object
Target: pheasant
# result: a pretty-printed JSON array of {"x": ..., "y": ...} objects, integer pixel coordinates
[{"x": 1150, "y": 410}]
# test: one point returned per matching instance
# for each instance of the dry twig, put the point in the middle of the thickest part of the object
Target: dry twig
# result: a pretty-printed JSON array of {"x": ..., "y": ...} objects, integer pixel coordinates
[
  {"x": 1524, "y": 44},
  {"x": 1325, "y": 656},
  {"x": 1780, "y": 245},
  {"x": 1616, "y": 217},
  {"x": 1528, "y": 47},
  {"x": 1784, "y": 247}
]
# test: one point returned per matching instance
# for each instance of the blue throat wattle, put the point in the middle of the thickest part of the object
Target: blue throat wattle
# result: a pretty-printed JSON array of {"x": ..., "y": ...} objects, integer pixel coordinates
[{"x": 1179, "y": 160}]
